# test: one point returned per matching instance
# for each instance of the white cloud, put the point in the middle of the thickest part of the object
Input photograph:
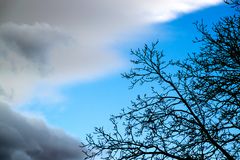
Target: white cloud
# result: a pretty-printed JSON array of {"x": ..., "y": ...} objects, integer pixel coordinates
[
  {"x": 41, "y": 54},
  {"x": 60, "y": 41}
]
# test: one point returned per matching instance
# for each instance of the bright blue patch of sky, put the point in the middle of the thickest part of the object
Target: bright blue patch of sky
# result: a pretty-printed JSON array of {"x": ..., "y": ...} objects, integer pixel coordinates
[{"x": 90, "y": 104}]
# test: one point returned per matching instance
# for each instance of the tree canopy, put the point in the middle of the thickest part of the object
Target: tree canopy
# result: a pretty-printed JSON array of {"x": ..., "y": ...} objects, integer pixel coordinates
[{"x": 193, "y": 113}]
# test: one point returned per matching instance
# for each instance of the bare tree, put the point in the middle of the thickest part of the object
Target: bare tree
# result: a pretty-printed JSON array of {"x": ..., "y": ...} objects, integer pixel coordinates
[
  {"x": 233, "y": 3},
  {"x": 193, "y": 113}
]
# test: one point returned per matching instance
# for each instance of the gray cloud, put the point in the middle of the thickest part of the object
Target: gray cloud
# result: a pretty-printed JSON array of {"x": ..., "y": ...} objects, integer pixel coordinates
[
  {"x": 101, "y": 15},
  {"x": 25, "y": 138},
  {"x": 32, "y": 42},
  {"x": 23, "y": 45},
  {"x": 56, "y": 42},
  {"x": 41, "y": 53}
]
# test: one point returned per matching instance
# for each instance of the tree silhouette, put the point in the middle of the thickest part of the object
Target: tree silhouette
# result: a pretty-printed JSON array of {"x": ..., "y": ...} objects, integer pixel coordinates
[
  {"x": 234, "y": 3},
  {"x": 193, "y": 112}
]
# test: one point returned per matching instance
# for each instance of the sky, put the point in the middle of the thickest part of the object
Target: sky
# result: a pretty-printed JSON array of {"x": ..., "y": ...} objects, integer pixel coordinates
[{"x": 61, "y": 63}]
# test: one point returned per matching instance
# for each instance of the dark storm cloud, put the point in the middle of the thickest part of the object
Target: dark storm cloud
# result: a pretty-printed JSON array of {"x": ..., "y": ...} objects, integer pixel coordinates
[{"x": 25, "y": 138}]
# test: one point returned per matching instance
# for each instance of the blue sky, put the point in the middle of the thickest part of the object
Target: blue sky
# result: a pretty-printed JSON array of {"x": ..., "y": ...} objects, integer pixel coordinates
[{"x": 64, "y": 69}]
